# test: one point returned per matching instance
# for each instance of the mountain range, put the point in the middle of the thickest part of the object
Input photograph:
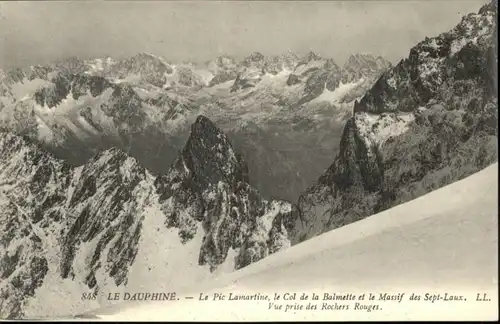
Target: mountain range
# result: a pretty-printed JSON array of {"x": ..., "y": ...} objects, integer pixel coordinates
[
  {"x": 116, "y": 171},
  {"x": 272, "y": 108}
]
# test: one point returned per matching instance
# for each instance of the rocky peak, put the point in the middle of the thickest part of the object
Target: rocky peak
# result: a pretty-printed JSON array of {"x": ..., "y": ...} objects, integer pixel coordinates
[
  {"x": 39, "y": 72},
  {"x": 30, "y": 73},
  {"x": 70, "y": 65},
  {"x": 251, "y": 71},
  {"x": 151, "y": 68},
  {"x": 224, "y": 68},
  {"x": 99, "y": 66},
  {"x": 224, "y": 60},
  {"x": 222, "y": 63},
  {"x": 311, "y": 56},
  {"x": 491, "y": 7},
  {"x": 289, "y": 56},
  {"x": 253, "y": 58},
  {"x": 208, "y": 183},
  {"x": 109, "y": 170},
  {"x": 210, "y": 156},
  {"x": 277, "y": 63},
  {"x": 435, "y": 65},
  {"x": 15, "y": 75},
  {"x": 365, "y": 60},
  {"x": 383, "y": 62},
  {"x": 363, "y": 65},
  {"x": 145, "y": 56}
]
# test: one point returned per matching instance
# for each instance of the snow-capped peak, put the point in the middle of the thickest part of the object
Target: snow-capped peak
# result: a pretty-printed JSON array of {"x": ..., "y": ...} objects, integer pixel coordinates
[{"x": 311, "y": 56}]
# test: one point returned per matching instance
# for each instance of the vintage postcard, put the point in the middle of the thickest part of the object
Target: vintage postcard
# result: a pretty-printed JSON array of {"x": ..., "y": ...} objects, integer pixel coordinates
[{"x": 249, "y": 160}]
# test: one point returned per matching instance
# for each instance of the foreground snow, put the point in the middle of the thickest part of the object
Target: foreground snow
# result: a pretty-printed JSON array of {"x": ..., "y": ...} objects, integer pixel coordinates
[{"x": 443, "y": 242}]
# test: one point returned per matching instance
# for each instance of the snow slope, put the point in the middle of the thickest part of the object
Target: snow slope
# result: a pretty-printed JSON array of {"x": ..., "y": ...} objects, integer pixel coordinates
[{"x": 445, "y": 241}]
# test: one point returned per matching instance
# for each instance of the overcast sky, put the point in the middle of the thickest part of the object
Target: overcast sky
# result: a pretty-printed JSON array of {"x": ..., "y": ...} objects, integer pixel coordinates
[{"x": 37, "y": 32}]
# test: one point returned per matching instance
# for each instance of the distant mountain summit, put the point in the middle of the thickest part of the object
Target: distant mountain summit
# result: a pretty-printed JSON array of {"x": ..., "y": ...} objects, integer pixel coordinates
[
  {"x": 358, "y": 66},
  {"x": 311, "y": 56},
  {"x": 223, "y": 69}
]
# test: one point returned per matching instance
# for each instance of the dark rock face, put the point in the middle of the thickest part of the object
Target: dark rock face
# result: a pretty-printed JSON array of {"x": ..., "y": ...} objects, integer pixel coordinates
[
  {"x": 426, "y": 123},
  {"x": 70, "y": 66},
  {"x": 108, "y": 181},
  {"x": 76, "y": 84},
  {"x": 440, "y": 68},
  {"x": 94, "y": 84},
  {"x": 53, "y": 96},
  {"x": 328, "y": 78},
  {"x": 51, "y": 211},
  {"x": 39, "y": 72},
  {"x": 209, "y": 153},
  {"x": 125, "y": 107},
  {"x": 208, "y": 183},
  {"x": 32, "y": 186}
]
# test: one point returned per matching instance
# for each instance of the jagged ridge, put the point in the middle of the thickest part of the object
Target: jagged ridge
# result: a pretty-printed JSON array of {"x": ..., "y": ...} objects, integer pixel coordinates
[
  {"x": 429, "y": 121},
  {"x": 84, "y": 225}
]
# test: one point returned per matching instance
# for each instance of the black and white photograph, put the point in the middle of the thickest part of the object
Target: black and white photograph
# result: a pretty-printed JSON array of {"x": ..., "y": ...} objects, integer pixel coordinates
[{"x": 249, "y": 160}]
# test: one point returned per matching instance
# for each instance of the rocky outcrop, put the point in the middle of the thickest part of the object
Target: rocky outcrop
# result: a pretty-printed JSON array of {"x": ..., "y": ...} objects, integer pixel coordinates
[
  {"x": 429, "y": 121},
  {"x": 441, "y": 68},
  {"x": 107, "y": 195},
  {"x": 32, "y": 187},
  {"x": 208, "y": 183},
  {"x": 76, "y": 84}
]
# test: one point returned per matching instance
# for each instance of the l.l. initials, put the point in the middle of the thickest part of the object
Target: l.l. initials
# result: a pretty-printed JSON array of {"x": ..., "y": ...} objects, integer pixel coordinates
[{"x": 484, "y": 297}]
